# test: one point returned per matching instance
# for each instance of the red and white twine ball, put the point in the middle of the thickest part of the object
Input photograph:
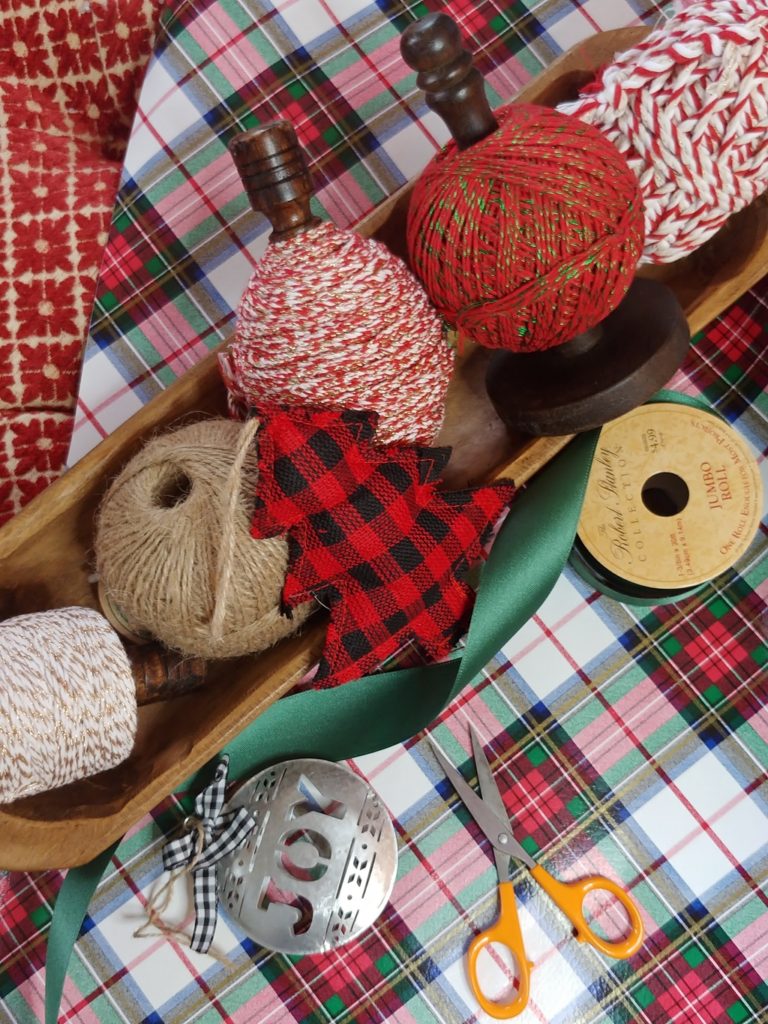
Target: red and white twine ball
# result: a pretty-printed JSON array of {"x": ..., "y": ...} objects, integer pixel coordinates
[
  {"x": 332, "y": 319},
  {"x": 688, "y": 108}
]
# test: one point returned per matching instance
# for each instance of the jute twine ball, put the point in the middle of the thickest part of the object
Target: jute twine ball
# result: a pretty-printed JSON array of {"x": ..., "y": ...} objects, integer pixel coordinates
[
  {"x": 332, "y": 319},
  {"x": 688, "y": 109},
  {"x": 67, "y": 700},
  {"x": 531, "y": 235},
  {"x": 174, "y": 551}
]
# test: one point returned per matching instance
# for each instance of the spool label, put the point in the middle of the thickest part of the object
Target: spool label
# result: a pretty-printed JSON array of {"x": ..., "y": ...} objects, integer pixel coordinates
[{"x": 674, "y": 497}]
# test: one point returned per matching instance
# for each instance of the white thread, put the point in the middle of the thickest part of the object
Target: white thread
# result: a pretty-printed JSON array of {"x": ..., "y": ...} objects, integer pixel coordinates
[{"x": 67, "y": 700}]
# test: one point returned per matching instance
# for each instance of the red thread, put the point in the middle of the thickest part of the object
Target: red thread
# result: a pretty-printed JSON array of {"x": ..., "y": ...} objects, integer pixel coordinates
[
  {"x": 332, "y": 319},
  {"x": 531, "y": 235}
]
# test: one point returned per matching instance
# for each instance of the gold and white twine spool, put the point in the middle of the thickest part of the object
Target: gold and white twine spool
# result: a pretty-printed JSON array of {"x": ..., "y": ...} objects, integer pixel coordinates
[{"x": 67, "y": 700}]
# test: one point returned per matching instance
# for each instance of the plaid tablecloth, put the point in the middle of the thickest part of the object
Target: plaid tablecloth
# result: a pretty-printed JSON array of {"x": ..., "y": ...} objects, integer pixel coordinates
[{"x": 633, "y": 742}]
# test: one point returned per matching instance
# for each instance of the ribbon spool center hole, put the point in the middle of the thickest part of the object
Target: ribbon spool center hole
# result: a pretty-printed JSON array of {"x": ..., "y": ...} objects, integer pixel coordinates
[
  {"x": 665, "y": 494},
  {"x": 173, "y": 490}
]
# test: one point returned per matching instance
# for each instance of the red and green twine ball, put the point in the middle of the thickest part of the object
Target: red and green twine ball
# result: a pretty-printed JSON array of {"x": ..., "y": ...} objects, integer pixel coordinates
[{"x": 530, "y": 236}]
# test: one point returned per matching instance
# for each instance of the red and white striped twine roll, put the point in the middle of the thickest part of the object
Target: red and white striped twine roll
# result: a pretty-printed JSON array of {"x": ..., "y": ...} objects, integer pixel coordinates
[
  {"x": 688, "y": 108},
  {"x": 330, "y": 318}
]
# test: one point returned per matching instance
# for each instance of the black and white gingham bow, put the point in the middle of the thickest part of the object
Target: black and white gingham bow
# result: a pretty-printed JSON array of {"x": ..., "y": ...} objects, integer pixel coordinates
[{"x": 220, "y": 834}]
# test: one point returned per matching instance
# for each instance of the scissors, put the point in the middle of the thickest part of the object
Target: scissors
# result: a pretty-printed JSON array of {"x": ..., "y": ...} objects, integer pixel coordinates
[{"x": 490, "y": 815}]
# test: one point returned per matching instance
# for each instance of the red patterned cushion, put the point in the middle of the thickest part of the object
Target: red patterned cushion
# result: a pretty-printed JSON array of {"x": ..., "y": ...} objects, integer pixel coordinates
[
  {"x": 370, "y": 536},
  {"x": 69, "y": 77}
]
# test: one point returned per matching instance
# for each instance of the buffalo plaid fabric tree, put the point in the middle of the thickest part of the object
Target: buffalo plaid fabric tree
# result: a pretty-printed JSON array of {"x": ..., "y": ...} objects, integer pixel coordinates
[{"x": 370, "y": 535}]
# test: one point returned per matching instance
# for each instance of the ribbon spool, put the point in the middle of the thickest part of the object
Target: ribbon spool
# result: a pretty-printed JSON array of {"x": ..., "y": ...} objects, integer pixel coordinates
[
  {"x": 674, "y": 499},
  {"x": 538, "y": 253}
]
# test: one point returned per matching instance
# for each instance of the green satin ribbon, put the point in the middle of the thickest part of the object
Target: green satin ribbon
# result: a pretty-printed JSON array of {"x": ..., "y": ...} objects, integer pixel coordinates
[{"x": 379, "y": 711}]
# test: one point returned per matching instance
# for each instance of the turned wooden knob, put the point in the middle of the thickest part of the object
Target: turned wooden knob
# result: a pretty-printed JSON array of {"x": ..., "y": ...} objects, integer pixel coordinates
[
  {"x": 160, "y": 674},
  {"x": 274, "y": 172},
  {"x": 452, "y": 85}
]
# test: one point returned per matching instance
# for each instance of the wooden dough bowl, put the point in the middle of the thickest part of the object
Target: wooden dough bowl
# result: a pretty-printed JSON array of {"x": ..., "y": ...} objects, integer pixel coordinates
[{"x": 46, "y": 556}]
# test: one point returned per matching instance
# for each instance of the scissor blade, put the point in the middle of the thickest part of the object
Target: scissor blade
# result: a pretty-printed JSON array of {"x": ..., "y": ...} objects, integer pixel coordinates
[
  {"x": 488, "y": 789},
  {"x": 491, "y": 797},
  {"x": 496, "y": 829}
]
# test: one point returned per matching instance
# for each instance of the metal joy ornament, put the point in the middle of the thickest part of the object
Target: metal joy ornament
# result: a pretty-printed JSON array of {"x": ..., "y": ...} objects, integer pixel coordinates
[{"x": 319, "y": 866}]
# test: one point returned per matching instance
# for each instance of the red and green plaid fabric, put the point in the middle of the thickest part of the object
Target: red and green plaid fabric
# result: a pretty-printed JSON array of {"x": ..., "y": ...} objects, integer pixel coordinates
[
  {"x": 633, "y": 742},
  {"x": 629, "y": 741},
  {"x": 369, "y": 536}
]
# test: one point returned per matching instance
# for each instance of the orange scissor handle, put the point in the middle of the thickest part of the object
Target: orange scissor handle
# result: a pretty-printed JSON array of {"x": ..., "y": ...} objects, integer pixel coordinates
[
  {"x": 506, "y": 932},
  {"x": 569, "y": 897}
]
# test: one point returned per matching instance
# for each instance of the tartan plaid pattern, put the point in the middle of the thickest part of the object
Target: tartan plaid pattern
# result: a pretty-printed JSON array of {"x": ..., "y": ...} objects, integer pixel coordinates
[
  {"x": 369, "y": 536},
  {"x": 632, "y": 742}
]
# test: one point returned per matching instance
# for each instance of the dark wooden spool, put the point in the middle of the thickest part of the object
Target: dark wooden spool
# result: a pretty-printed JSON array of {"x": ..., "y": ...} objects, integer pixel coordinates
[
  {"x": 159, "y": 674},
  {"x": 275, "y": 175},
  {"x": 598, "y": 375}
]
